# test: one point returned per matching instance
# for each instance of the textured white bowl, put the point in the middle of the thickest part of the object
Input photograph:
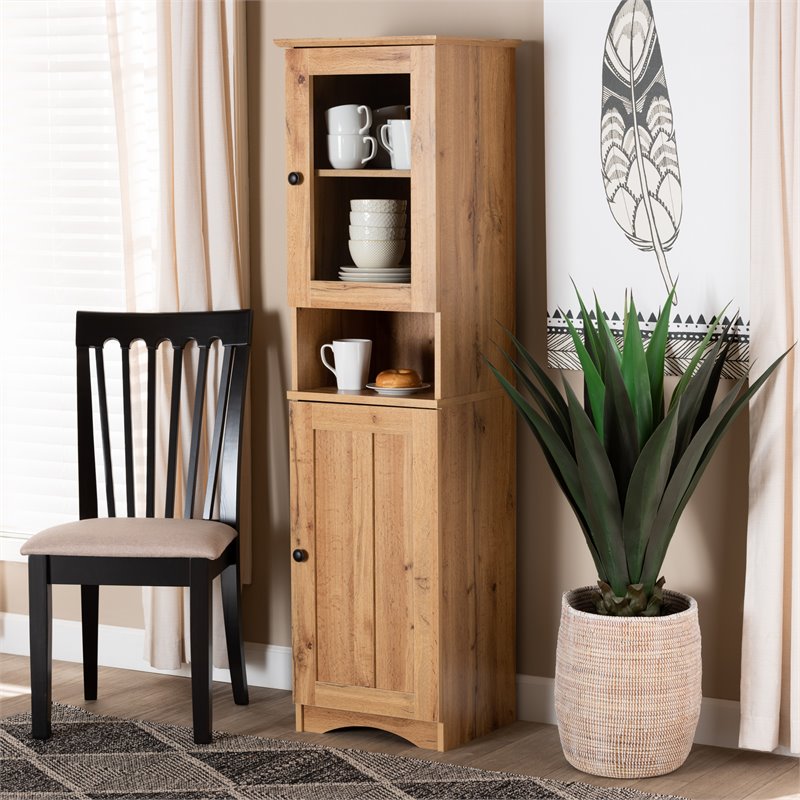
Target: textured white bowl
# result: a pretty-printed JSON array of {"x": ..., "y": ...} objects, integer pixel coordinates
[
  {"x": 377, "y": 219},
  {"x": 377, "y": 254},
  {"x": 363, "y": 233},
  {"x": 381, "y": 206}
]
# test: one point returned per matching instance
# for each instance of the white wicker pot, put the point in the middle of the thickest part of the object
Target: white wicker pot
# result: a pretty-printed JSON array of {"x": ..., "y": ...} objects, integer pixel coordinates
[{"x": 627, "y": 688}]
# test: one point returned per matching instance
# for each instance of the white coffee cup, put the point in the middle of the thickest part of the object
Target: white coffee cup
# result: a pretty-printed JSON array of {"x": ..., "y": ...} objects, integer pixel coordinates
[
  {"x": 379, "y": 117},
  {"x": 351, "y": 357},
  {"x": 396, "y": 139},
  {"x": 350, "y": 151},
  {"x": 347, "y": 119}
]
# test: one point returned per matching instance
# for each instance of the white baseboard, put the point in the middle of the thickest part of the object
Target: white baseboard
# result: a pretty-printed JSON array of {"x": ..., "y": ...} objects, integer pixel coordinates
[
  {"x": 268, "y": 665},
  {"x": 719, "y": 719}
]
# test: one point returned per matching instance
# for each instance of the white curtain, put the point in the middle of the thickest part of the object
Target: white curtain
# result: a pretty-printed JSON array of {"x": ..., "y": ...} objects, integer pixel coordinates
[
  {"x": 178, "y": 70},
  {"x": 770, "y": 688}
]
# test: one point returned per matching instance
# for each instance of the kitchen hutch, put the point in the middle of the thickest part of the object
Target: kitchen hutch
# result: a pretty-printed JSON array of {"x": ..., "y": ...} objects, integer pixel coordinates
[{"x": 403, "y": 509}]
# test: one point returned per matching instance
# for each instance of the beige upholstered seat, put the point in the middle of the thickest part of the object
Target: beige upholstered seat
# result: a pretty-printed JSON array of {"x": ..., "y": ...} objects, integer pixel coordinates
[{"x": 140, "y": 537}]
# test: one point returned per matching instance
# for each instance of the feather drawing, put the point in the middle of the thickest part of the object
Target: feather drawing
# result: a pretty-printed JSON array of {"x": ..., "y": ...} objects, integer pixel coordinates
[{"x": 638, "y": 151}]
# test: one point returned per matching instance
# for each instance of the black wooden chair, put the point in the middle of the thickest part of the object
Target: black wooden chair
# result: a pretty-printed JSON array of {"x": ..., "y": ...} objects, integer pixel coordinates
[{"x": 146, "y": 551}]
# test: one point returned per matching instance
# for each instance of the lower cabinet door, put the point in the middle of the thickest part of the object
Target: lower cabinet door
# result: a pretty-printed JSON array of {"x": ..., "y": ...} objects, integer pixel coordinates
[{"x": 364, "y": 513}]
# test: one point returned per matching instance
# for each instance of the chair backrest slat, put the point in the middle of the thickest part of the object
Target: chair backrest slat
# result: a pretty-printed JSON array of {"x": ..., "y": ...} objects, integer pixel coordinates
[
  {"x": 216, "y": 441},
  {"x": 233, "y": 330},
  {"x": 231, "y": 449},
  {"x": 105, "y": 438},
  {"x": 150, "y": 449},
  {"x": 127, "y": 424},
  {"x": 197, "y": 430},
  {"x": 87, "y": 488},
  {"x": 174, "y": 416}
]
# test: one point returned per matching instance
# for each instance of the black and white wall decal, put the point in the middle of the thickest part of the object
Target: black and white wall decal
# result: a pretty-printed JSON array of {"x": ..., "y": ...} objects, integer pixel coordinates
[{"x": 669, "y": 204}]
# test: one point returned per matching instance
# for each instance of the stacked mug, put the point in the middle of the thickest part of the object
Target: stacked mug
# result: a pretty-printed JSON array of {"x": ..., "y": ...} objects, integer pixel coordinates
[
  {"x": 377, "y": 242},
  {"x": 349, "y": 145}
]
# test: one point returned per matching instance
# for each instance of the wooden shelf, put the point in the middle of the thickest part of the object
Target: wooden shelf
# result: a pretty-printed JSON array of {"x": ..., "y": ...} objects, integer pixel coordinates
[
  {"x": 374, "y": 296},
  {"x": 366, "y": 397},
  {"x": 362, "y": 173}
]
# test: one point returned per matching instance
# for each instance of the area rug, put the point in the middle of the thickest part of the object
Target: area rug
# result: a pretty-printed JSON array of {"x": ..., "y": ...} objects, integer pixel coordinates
[{"x": 89, "y": 756}]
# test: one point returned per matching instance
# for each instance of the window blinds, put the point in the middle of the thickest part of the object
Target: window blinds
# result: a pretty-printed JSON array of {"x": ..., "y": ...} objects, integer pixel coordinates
[{"x": 60, "y": 242}]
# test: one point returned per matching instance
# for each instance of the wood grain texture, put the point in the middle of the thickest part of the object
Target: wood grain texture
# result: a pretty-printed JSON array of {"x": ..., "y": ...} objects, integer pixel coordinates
[
  {"x": 425, "y": 213},
  {"x": 475, "y": 190},
  {"x": 363, "y": 173},
  {"x": 390, "y": 59},
  {"x": 301, "y": 500},
  {"x": 478, "y": 568},
  {"x": 362, "y": 498},
  {"x": 394, "y": 563},
  {"x": 299, "y": 199},
  {"x": 419, "y": 732},
  {"x": 529, "y": 748},
  {"x": 383, "y": 41}
]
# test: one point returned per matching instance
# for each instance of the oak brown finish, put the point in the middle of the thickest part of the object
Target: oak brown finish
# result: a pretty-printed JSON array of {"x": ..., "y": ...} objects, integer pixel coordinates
[
  {"x": 403, "y": 613},
  {"x": 384, "y": 41},
  {"x": 710, "y": 773}
]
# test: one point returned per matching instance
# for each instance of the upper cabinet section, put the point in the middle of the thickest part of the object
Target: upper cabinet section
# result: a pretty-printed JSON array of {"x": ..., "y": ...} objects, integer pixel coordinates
[{"x": 451, "y": 233}]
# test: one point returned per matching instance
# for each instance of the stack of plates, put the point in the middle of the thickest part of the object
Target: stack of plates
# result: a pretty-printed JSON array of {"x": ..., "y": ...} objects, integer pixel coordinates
[
  {"x": 377, "y": 242},
  {"x": 361, "y": 275}
]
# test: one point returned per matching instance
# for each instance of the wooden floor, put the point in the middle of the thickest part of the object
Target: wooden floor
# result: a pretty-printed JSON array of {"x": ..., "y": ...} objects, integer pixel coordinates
[{"x": 710, "y": 773}]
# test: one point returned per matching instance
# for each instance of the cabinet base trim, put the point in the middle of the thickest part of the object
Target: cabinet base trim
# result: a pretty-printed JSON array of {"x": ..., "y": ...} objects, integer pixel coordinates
[{"x": 315, "y": 719}]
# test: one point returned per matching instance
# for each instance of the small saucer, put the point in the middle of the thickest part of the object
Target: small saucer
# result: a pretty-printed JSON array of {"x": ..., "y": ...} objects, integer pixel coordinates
[{"x": 398, "y": 392}]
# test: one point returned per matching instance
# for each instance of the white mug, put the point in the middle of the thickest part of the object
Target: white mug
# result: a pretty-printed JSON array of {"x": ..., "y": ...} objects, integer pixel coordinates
[
  {"x": 396, "y": 139},
  {"x": 381, "y": 116},
  {"x": 351, "y": 357},
  {"x": 350, "y": 151},
  {"x": 347, "y": 119}
]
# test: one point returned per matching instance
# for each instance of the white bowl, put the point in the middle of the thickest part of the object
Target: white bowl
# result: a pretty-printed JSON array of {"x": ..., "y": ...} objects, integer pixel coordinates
[
  {"x": 381, "y": 206},
  {"x": 363, "y": 233},
  {"x": 377, "y": 254},
  {"x": 375, "y": 219}
]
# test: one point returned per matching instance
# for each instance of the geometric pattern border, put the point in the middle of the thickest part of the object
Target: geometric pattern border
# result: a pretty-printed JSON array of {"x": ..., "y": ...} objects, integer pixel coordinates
[
  {"x": 91, "y": 756},
  {"x": 683, "y": 340}
]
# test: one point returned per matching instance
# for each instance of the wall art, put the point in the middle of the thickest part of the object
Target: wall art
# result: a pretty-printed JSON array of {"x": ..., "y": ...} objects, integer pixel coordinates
[{"x": 646, "y": 106}]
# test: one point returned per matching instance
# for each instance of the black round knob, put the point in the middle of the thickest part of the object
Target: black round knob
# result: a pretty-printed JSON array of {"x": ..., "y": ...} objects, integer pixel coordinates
[
  {"x": 299, "y": 555},
  {"x": 295, "y": 178}
]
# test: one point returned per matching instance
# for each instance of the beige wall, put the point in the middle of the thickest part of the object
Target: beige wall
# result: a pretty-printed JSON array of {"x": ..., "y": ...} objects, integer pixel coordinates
[{"x": 707, "y": 557}]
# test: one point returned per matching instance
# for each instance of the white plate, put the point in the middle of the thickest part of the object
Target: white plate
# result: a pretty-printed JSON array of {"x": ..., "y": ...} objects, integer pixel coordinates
[
  {"x": 373, "y": 279},
  {"x": 373, "y": 270},
  {"x": 391, "y": 392},
  {"x": 379, "y": 275}
]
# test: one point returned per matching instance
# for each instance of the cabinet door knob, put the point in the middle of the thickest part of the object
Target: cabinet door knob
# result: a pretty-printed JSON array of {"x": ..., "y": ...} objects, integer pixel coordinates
[
  {"x": 295, "y": 178},
  {"x": 299, "y": 555}
]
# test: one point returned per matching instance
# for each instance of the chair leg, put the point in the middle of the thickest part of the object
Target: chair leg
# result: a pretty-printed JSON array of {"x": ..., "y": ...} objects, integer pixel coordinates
[
  {"x": 231, "y": 609},
  {"x": 200, "y": 639},
  {"x": 90, "y": 597},
  {"x": 41, "y": 640}
]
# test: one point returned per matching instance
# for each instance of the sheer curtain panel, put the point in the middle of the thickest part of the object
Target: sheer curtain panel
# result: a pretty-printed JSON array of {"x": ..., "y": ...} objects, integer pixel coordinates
[
  {"x": 770, "y": 689},
  {"x": 199, "y": 251}
]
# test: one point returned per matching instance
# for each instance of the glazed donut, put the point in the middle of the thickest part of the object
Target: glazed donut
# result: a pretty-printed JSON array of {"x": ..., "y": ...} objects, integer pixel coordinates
[{"x": 398, "y": 379}]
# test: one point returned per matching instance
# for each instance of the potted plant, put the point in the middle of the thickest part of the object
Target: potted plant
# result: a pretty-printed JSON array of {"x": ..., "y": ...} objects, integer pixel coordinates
[{"x": 628, "y": 665}]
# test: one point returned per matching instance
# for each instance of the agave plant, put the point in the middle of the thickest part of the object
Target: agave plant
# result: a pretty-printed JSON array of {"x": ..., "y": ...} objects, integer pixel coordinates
[{"x": 626, "y": 461}]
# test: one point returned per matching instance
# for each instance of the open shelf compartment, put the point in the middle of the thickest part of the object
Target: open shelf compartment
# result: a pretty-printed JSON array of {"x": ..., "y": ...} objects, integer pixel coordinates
[{"x": 399, "y": 339}]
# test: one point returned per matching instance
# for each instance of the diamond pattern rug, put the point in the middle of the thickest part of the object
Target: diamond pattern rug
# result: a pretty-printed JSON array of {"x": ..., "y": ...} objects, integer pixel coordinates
[{"x": 89, "y": 756}]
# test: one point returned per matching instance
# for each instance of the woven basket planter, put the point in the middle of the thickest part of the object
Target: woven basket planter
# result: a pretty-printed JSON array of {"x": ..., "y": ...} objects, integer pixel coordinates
[{"x": 627, "y": 689}]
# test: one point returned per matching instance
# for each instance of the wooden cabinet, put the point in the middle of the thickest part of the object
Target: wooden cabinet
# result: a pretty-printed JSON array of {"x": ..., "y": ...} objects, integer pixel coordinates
[{"x": 403, "y": 509}]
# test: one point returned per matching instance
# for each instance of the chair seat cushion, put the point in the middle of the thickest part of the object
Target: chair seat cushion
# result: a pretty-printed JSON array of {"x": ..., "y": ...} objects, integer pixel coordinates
[{"x": 133, "y": 537}]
